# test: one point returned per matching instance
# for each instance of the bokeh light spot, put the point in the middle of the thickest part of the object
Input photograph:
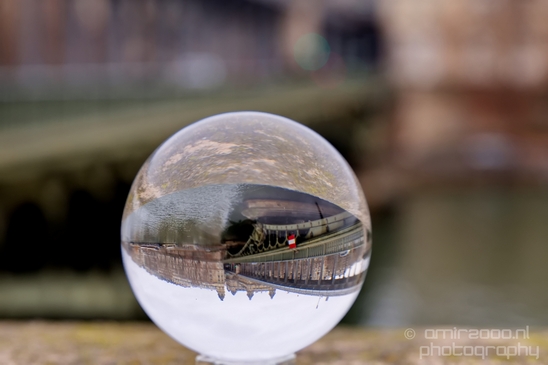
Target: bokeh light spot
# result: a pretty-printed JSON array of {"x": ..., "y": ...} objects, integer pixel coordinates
[{"x": 311, "y": 51}]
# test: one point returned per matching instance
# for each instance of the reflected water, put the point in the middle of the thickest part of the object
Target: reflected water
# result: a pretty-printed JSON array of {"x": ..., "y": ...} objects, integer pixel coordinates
[{"x": 456, "y": 257}]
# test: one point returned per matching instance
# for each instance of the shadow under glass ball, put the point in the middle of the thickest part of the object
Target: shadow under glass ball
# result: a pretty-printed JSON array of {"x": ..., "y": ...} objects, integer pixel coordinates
[{"x": 246, "y": 237}]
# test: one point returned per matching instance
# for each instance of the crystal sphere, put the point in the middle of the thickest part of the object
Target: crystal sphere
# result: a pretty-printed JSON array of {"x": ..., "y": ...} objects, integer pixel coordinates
[{"x": 246, "y": 237}]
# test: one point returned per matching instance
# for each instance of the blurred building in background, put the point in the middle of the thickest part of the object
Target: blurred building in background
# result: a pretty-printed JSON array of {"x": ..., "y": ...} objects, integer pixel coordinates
[
  {"x": 107, "y": 47},
  {"x": 471, "y": 79}
]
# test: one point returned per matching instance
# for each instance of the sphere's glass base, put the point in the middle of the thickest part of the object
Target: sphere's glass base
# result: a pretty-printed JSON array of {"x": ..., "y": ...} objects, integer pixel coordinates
[{"x": 287, "y": 360}]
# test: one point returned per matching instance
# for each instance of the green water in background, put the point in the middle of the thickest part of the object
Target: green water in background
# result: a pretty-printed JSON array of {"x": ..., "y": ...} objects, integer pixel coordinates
[{"x": 453, "y": 257}]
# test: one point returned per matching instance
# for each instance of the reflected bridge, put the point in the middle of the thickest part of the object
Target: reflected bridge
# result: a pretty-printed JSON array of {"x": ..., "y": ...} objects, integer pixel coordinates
[{"x": 330, "y": 265}]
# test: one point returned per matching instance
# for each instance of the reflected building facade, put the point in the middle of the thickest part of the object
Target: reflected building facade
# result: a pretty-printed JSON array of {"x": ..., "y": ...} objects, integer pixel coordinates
[{"x": 330, "y": 259}]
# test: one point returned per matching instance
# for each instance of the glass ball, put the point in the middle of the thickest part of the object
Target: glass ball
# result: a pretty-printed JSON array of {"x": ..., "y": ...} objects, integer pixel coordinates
[{"x": 246, "y": 237}]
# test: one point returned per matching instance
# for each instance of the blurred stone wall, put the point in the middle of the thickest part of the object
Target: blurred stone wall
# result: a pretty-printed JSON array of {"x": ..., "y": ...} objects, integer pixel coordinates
[{"x": 471, "y": 79}]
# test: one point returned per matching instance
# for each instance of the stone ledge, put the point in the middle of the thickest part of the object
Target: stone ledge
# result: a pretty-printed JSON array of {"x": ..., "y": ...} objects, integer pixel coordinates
[{"x": 37, "y": 343}]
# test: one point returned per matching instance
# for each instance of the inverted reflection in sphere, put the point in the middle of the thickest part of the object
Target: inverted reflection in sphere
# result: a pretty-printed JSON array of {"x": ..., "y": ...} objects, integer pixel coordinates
[{"x": 246, "y": 237}]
